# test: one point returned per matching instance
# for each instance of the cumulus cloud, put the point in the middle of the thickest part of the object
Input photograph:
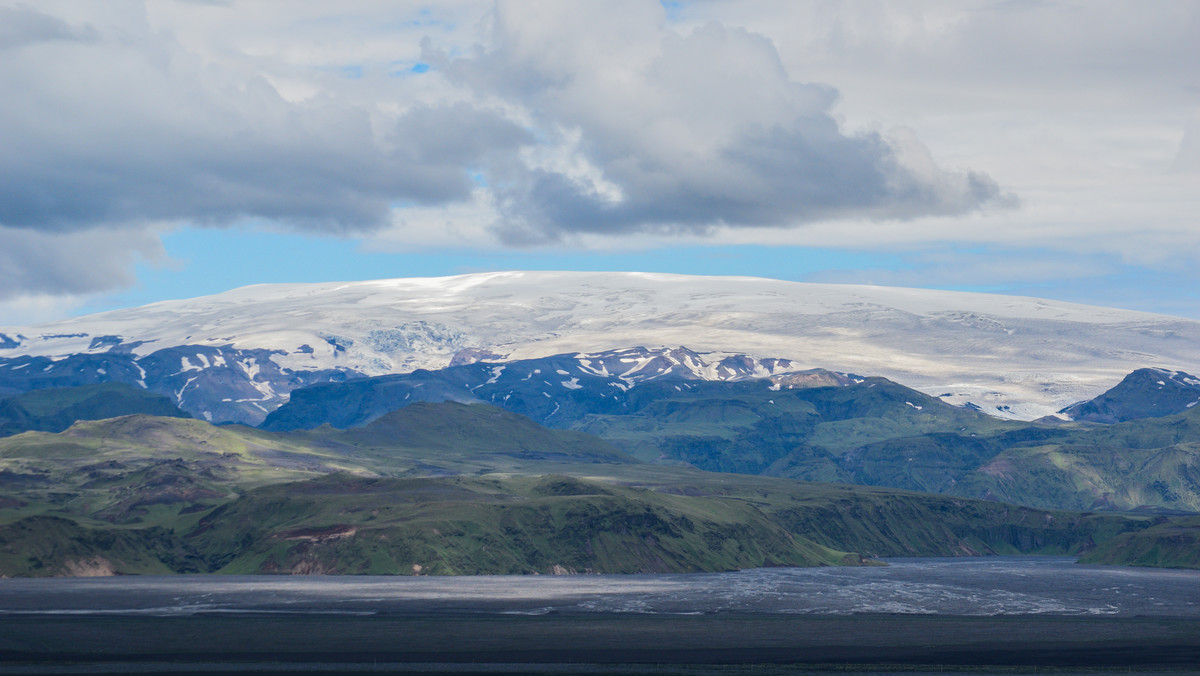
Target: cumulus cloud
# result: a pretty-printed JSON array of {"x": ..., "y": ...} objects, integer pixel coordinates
[
  {"x": 66, "y": 264},
  {"x": 111, "y": 124},
  {"x": 22, "y": 25},
  {"x": 688, "y": 132},
  {"x": 566, "y": 122},
  {"x": 130, "y": 127}
]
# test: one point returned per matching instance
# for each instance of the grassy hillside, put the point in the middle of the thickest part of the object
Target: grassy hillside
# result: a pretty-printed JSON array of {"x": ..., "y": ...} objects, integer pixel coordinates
[
  {"x": 473, "y": 526},
  {"x": 49, "y": 546},
  {"x": 147, "y": 470},
  {"x": 144, "y": 469},
  {"x": 56, "y": 409},
  {"x": 1152, "y": 462},
  {"x": 449, "y": 433},
  {"x": 747, "y": 427},
  {"x": 1172, "y": 544},
  {"x": 454, "y": 489},
  {"x": 878, "y": 433},
  {"x": 676, "y": 521}
]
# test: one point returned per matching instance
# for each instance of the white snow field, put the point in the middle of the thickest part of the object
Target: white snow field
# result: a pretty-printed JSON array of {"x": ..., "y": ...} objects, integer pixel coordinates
[{"x": 1012, "y": 356}]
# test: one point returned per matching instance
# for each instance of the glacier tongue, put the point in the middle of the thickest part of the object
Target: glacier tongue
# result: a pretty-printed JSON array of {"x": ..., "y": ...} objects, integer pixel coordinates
[{"x": 1010, "y": 356}]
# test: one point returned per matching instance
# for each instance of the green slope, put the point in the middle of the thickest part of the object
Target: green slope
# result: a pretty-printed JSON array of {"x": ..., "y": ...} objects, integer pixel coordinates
[
  {"x": 454, "y": 489},
  {"x": 878, "y": 433},
  {"x": 146, "y": 470},
  {"x": 1142, "y": 463},
  {"x": 450, "y": 434},
  {"x": 749, "y": 428},
  {"x": 868, "y": 431},
  {"x": 56, "y": 409},
  {"x": 48, "y": 546},
  {"x": 1173, "y": 544},
  {"x": 473, "y": 526}
]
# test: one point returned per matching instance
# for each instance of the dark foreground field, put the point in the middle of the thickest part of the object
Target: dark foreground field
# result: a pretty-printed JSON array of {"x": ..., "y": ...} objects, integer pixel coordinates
[{"x": 611, "y": 643}]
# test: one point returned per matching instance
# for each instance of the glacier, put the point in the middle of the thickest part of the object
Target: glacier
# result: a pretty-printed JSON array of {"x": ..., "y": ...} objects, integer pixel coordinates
[{"x": 1010, "y": 356}]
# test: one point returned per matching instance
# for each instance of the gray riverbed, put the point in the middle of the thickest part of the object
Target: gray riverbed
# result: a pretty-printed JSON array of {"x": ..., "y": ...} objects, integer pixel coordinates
[{"x": 994, "y": 586}]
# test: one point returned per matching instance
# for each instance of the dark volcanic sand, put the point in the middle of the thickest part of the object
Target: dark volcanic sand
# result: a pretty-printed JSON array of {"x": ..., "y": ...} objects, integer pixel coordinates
[{"x": 441, "y": 643}]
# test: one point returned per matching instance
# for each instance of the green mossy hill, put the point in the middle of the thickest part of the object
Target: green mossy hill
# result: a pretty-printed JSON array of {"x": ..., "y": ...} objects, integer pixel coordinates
[
  {"x": 869, "y": 431},
  {"x": 426, "y": 488},
  {"x": 453, "y": 429},
  {"x": 56, "y": 409},
  {"x": 47, "y": 546},
  {"x": 147, "y": 470},
  {"x": 1152, "y": 462},
  {"x": 748, "y": 428},
  {"x": 1171, "y": 544},
  {"x": 878, "y": 433},
  {"x": 886, "y": 523},
  {"x": 341, "y": 525},
  {"x": 1144, "y": 393}
]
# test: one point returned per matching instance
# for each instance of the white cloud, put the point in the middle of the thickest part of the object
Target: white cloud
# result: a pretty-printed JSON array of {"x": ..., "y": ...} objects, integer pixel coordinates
[
  {"x": 32, "y": 308},
  {"x": 457, "y": 225},
  {"x": 41, "y": 264},
  {"x": 864, "y": 124},
  {"x": 691, "y": 130}
]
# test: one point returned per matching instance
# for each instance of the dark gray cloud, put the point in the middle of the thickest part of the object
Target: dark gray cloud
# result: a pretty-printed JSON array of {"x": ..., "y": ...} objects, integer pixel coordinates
[
  {"x": 72, "y": 263},
  {"x": 23, "y": 25},
  {"x": 573, "y": 118},
  {"x": 129, "y": 127},
  {"x": 694, "y": 132}
]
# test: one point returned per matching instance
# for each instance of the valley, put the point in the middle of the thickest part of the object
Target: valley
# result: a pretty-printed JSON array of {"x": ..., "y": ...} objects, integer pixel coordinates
[
  {"x": 450, "y": 488},
  {"x": 206, "y": 436}
]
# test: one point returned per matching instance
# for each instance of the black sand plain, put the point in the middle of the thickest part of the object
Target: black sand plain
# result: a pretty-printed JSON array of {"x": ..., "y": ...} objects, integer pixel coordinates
[{"x": 604, "y": 643}]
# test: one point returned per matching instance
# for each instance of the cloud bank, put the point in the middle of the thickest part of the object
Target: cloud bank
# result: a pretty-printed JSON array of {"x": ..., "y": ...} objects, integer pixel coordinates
[
  {"x": 598, "y": 119},
  {"x": 686, "y": 131}
]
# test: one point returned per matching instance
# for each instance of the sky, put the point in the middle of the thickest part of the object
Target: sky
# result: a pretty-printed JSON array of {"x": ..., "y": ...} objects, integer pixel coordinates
[{"x": 159, "y": 149}]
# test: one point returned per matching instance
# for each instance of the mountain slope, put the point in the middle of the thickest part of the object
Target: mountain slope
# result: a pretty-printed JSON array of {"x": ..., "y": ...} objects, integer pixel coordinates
[
  {"x": 816, "y": 426},
  {"x": 1171, "y": 544},
  {"x": 1145, "y": 393},
  {"x": 237, "y": 355},
  {"x": 149, "y": 495},
  {"x": 453, "y": 429},
  {"x": 147, "y": 470},
  {"x": 1151, "y": 462},
  {"x": 556, "y": 390},
  {"x": 56, "y": 409},
  {"x": 811, "y": 425},
  {"x": 488, "y": 526}
]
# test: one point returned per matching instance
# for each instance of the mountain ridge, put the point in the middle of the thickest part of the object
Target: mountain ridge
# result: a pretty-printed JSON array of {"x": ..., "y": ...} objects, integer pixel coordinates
[
  {"x": 1011, "y": 356},
  {"x": 140, "y": 494},
  {"x": 1144, "y": 393}
]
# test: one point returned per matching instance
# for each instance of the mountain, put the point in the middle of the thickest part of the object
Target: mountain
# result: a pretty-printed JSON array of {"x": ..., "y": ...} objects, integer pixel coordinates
[
  {"x": 640, "y": 401},
  {"x": 143, "y": 469},
  {"x": 1151, "y": 462},
  {"x": 423, "y": 490},
  {"x": 213, "y": 383},
  {"x": 460, "y": 430},
  {"x": 56, "y": 409},
  {"x": 1168, "y": 544},
  {"x": 236, "y": 356},
  {"x": 815, "y": 426},
  {"x": 557, "y": 390},
  {"x": 1145, "y": 393},
  {"x": 461, "y": 525}
]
